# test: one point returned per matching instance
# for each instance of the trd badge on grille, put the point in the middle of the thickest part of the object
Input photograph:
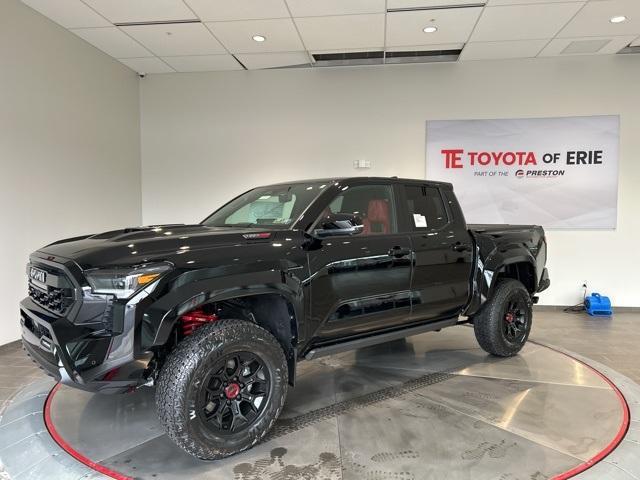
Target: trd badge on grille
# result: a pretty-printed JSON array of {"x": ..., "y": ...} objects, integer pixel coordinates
[{"x": 37, "y": 275}]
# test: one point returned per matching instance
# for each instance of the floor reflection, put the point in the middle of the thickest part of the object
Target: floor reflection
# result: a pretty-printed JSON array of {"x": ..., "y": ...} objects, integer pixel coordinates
[{"x": 431, "y": 406}]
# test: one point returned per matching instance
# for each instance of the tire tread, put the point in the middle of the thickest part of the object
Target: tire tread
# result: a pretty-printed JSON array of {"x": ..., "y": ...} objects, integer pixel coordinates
[
  {"x": 176, "y": 375},
  {"x": 487, "y": 324}
]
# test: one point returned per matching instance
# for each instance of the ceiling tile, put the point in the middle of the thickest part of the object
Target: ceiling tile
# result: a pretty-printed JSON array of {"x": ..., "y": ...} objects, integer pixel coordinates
[
  {"x": 345, "y": 31},
  {"x": 68, "y": 13},
  {"x": 590, "y": 45},
  {"x": 593, "y": 19},
  {"x": 315, "y": 8},
  {"x": 147, "y": 65},
  {"x": 113, "y": 42},
  {"x": 124, "y": 11},
  {"x": 216, "y": 10},
  {"x": 176, "y": 39},
  {"x": 523, "y": 22},
  {"x": 508, "y": 49},
  {"x": 393, "y": 4},
  {"x": 420, "y": 48},
  {"x": 254, "y": 61},
  {"x": 559, "y": 45},
  {"x": 493, "y": 3},
  {"x": 203, "y": 63},
  {"x": 454, "y": 26},
  {"x": 280, "y": 34}
]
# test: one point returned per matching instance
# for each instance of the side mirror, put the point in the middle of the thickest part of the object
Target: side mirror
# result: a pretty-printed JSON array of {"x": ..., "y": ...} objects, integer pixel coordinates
[{"x": 337, "y": 224}]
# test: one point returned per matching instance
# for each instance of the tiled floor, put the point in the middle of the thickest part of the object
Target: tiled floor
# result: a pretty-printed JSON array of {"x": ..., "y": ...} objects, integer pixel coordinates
[
  {"x": 17, "y": 371},
  {"x": 376, "y": 409},
  {"x": 612, "y": 342}
]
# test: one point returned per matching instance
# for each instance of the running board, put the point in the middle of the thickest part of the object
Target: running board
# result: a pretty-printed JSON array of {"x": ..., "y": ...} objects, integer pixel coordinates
[{"x": 380, "y": 338}]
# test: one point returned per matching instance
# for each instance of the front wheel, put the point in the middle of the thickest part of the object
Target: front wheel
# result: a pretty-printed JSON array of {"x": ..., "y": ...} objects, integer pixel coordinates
[
  {"x": 222, "y": 389},
  {"x": 502, "y": 327}
]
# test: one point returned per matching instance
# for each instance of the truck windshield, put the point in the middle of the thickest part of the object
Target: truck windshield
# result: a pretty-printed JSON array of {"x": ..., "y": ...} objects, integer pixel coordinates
[{"x": 276, "y": 206}]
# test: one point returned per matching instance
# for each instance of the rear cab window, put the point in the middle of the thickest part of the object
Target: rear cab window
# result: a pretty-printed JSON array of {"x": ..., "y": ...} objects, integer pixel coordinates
[{"x": 425, "y": 208}]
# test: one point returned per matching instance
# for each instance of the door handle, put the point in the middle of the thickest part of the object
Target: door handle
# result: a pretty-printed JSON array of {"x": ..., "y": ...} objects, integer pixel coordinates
[
  {"x": 399, "y": 252},
  {"x": 460, "y": 247}
]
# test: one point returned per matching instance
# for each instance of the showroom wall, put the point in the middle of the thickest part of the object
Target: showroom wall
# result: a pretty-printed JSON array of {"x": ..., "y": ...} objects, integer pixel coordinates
[
  {"x": 209, "y": 136},
  {"x": 69, "y": 144}
]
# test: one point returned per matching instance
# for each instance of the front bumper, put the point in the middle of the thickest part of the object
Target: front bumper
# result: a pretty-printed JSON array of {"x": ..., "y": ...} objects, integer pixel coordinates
[
  {"x": 91, "y": 345},
  {"x": 42, "y": 338}
]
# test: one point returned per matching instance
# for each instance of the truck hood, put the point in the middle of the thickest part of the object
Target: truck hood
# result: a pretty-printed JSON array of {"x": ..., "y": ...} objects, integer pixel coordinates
[{"x": 136, "y": 245}]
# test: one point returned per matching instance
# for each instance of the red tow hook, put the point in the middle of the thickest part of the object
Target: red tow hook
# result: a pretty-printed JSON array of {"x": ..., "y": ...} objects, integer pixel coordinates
[{"x": 189, "y": 322}]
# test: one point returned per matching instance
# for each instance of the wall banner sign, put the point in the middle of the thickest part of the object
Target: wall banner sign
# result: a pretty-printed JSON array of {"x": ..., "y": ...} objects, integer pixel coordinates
[{"x": 556, "y": 172}]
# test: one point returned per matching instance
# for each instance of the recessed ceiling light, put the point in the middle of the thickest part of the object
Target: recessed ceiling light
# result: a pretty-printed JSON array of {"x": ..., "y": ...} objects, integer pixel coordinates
[
  {"x": 259, "y": 38},
  {"x": 430, "y": 29},
  {"x": 618, "y": 19}
]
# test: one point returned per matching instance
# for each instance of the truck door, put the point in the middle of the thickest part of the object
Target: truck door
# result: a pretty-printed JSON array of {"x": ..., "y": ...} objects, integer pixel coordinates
[
  {"x": 442, "y": 252},
  {"x": 360, "y": 283}
]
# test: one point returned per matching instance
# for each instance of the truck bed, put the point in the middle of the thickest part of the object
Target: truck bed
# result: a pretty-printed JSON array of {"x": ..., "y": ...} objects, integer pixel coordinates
[
  {"x": 507, "y": 249},
  {"x": 493, "y": 228}
]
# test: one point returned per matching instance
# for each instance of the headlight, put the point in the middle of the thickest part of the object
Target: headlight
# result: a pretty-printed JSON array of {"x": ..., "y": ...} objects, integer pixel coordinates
[{"x": 124, "y": 282}]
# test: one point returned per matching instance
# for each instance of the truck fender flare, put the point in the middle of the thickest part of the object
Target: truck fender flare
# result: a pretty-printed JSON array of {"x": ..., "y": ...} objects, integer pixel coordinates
[
  {"x": 500, "y": 264},
  {"x": 161, "y": 317},
  {"x": 486, "y": 275}
]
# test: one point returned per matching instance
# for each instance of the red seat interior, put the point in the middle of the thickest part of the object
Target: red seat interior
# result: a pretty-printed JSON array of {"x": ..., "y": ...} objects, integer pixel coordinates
[{"x": 377, "y": 219}]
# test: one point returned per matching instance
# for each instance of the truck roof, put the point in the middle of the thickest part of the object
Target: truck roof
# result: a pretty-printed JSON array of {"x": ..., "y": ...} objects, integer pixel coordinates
[{"x": 373, "y": 179}]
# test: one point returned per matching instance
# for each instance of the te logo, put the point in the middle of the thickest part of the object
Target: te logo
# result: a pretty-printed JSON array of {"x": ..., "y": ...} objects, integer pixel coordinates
[{"x": 519, "y": 173}]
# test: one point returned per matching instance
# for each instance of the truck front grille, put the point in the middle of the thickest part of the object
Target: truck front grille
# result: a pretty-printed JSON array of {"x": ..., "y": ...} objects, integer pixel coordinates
[
  {"x": 56, "y": 296},
  {"x": 54, "y": 299}
]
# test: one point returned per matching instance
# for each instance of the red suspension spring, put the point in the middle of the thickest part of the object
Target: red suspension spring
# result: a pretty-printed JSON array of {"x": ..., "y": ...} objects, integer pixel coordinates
[{"x": 194, "y": 319}]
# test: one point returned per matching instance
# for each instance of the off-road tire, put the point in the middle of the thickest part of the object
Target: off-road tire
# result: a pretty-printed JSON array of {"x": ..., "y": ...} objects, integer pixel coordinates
[
  {"x": 188, "y": 364},
  {"x": 488, "y": 324}
]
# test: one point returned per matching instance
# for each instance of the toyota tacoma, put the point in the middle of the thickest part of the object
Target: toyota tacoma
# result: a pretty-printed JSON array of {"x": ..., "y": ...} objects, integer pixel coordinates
[{"x": 217, "y": 315}]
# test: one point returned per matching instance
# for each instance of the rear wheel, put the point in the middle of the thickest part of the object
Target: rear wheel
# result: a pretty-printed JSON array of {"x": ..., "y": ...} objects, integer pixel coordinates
[
  {"x": 222, "y": 389},
  {"x": 502, "y": 327}
]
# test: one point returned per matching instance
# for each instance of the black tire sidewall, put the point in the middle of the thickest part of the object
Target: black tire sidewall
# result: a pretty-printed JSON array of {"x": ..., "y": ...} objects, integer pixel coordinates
[
  {"x": 195, "y": 427},
  {"x": 489, "y": 323},
  {"x": 520, "y": 292},
  {"x": 178, "y": 386}
]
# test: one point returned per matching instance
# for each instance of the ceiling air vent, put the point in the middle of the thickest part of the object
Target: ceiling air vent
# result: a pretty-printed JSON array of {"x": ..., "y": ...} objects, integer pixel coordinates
[
  {"x": 417, "y": 8},
  {"x": 379, "y": 57},
  {"x": 422, "y": 56},
  {"x": 631, "y": 49},
  {"x": 584, "y": 46},
  {"x": 347, "y": 59},
  {"x": 159, "y": 22}
]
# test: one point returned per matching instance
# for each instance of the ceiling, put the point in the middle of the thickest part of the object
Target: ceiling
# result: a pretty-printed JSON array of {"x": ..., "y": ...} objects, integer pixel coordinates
[{"x": 161, "y": 36}]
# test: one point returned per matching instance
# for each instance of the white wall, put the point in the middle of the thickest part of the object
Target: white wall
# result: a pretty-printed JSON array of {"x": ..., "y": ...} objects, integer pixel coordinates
[
  {"x": 207, "y": 137},
  {"x": 69, "y": 145}
]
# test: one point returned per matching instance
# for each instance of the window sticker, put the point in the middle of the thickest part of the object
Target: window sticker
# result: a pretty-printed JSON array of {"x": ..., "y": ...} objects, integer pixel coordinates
[{"x": 420, "y": 221}]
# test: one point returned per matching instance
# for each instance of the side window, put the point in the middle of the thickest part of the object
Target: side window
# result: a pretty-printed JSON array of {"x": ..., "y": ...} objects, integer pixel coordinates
[
  {"x": 372, "y": 203},
  {"x": 426, "y": 209}
]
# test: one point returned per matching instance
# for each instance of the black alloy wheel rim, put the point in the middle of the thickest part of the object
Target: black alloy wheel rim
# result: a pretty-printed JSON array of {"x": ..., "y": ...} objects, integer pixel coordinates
[
  {"x": 515, "y": 320},
  {"x": 234, "y": 393}
]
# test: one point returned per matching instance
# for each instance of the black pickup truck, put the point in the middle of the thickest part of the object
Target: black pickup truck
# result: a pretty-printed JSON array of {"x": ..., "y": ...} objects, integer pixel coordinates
[{"x": 217, "y": 315}]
